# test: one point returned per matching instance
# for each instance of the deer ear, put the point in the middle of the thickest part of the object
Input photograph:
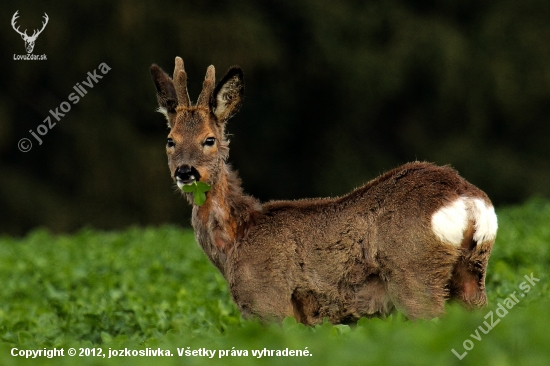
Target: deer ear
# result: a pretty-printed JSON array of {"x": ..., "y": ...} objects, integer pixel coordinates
[
  {"x": 228, "y": 94},
  {"x": 166, "y": 93}
]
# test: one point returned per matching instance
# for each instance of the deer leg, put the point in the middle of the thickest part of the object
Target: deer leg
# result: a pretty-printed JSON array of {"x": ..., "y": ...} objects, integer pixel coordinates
[
  {"x": 467, "y": 283},
  {"x": 373, "y": 299},
  {"x": 419, "y": 287}
]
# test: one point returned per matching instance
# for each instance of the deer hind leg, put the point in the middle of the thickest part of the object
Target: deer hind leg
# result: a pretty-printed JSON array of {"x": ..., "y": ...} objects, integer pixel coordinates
[{"x": 467, "y": 283}]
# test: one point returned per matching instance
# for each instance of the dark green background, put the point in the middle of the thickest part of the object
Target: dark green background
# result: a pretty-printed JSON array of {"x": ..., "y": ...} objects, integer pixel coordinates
[{"x": 336, "y": 93}]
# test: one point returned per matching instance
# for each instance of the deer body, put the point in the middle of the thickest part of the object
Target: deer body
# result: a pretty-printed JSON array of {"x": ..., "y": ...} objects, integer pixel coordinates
[{"x": 409, "y": 239}]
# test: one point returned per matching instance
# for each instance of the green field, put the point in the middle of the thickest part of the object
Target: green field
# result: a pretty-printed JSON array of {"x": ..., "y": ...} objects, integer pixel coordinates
[{"x": 151, "y": 288}]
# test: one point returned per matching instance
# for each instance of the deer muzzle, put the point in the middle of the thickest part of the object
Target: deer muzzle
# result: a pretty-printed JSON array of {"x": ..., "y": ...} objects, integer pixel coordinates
[{"x": 186, "y": 174}]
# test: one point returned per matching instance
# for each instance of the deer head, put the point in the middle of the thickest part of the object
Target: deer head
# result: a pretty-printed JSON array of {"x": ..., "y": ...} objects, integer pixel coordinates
[
  {"x": 197, "y": 146},
  {"x": 29, "y": 41}
]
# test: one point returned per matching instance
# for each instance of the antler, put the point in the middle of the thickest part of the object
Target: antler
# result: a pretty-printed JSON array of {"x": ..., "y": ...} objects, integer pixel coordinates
[
  {"x": 180, "y": 81},
  {"x": 35, "y": 34},
  {"x": 207, "y": 86},
  {"x": 15, "y": 16}
]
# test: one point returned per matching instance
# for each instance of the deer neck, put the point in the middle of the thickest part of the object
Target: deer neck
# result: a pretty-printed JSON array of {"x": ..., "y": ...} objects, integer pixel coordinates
[{"x": 225, "y": 217}]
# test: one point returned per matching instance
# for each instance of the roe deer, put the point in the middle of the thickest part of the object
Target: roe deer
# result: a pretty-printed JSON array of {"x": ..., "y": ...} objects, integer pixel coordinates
[{"x": 409, "y": 240}]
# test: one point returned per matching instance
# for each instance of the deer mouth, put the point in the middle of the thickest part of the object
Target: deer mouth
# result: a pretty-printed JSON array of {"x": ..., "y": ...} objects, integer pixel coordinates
[
  {"x": 182, "y": 183},
  {"x": 186, "y": 175}
]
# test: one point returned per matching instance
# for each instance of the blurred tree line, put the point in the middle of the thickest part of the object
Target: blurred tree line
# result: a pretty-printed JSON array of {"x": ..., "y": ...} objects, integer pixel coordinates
[{"x": 336, "y": 93}]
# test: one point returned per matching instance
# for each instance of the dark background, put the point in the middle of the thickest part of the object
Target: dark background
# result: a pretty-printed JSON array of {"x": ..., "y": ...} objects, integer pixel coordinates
[{"x": 336, "y": 93}]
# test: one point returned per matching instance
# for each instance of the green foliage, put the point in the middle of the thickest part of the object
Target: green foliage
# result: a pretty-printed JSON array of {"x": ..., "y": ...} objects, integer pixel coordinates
[
  {"x": 198, "y": 189},
  {"x": 153, "y": 287}
]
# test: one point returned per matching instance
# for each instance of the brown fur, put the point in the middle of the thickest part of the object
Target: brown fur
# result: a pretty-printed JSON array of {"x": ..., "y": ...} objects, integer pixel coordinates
[{"x": 363, "y": 254}]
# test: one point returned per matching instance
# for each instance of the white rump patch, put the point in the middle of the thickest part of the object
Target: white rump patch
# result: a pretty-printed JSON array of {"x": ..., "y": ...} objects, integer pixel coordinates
[
  {"x": 485, "y": 220},
  {"x": 450, "y": 222}
]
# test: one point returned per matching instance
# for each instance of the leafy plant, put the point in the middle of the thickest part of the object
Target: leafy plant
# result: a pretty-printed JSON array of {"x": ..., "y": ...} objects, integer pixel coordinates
[
  {"x": 198, "y": 189},
  {"x": 154, "y": 288}
]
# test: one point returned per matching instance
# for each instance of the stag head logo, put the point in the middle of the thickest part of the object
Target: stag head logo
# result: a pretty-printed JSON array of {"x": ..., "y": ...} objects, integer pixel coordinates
[{"x": 29, "y": 41}]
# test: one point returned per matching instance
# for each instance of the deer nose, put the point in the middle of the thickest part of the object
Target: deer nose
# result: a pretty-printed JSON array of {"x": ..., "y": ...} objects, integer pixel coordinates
[{"x": 186, "y": 174}]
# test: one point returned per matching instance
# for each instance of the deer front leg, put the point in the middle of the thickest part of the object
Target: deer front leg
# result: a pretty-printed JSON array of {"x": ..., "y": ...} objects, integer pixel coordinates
[
  {"x": 418, "y": 285},
  {"x": 260, "y": 293}
]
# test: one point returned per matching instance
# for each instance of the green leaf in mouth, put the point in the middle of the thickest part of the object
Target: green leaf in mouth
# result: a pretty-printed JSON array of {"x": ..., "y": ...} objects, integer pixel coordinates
[{"x": 198, "y": 189}]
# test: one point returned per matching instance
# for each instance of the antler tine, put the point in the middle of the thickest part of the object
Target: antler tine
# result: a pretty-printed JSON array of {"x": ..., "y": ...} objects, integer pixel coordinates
[
  {"x": 180, "y": 81},
  {"x": 207, "y": 87},
  {"x": 13, "y": 19},
  {"x": 43, "y": 24}
]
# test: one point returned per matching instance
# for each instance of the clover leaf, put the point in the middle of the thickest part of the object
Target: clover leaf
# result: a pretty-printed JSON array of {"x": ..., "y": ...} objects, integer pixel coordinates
[{"x": 198, "y": 189}]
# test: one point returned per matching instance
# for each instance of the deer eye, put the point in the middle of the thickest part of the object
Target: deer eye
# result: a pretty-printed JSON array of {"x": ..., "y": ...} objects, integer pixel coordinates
[
  {"x": 209, "y": 141},
  {"x": 170, "y": 143}
]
